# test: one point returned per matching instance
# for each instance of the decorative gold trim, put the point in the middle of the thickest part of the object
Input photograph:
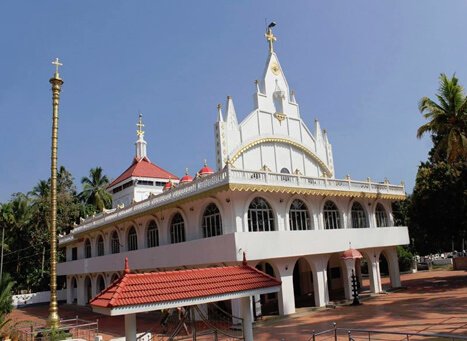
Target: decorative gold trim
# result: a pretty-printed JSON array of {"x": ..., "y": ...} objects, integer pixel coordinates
[
  {"x": 317, "y": 192},
  {"x": 275, "y": 69},
  {"x": 280, "y": 117},
  {"x": 300, "y": 146}
]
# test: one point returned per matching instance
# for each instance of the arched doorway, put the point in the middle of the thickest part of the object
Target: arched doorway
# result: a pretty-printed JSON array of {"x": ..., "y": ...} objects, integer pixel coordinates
[
  {"x": 100, "y": 283},
  {"x": 74, "y": 290},
  {"x": 266, "y": 304},
  {"x": 335, "y": 278},
  {"x": 114, "y": 277},
  {"x": 87, "y": 290},
  {"x": 303, "y": 284}
]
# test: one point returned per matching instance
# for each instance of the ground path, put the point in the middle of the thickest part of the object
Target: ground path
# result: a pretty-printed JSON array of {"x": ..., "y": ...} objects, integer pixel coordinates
[{"x": 434, "y": 302}]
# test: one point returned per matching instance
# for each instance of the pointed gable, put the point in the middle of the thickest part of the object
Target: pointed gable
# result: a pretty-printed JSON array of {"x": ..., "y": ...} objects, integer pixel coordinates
[{"x": 143, "y": 168}]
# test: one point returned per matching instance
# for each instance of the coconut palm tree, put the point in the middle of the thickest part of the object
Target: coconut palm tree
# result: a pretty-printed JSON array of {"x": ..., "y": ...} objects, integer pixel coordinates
[
  {"x": 94, "y": 190},
  {"x": 447, "y": 120}
]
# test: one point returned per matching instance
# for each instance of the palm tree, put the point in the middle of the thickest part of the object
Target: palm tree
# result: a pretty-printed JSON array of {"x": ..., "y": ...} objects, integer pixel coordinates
[
  {"x": 94, "y": 190},
  {"x": 447, "y": 120}
]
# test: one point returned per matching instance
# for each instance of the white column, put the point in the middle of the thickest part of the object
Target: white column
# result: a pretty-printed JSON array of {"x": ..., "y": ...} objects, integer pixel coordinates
[
  {"x": 69, "y": 290},
  {"x": 374, "y": 274},
  {"x": 393, "y": 263},
  {"x": 347, "y": 276},
  {"x": 130, "y": 327},
  {"x": 245, "y": 304},
  {"x": 286, "y": 294},
  {"x": 81, "y": 291},
  {"x": 236, "y": 309},
  {"x": 318, "y": 266}
]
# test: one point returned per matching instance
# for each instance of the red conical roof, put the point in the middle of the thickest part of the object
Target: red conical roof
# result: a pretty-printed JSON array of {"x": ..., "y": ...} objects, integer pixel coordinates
[{"x": 145, "y": 169}]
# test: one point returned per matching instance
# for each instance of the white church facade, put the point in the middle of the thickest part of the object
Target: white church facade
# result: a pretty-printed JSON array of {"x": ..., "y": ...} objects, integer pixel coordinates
[{"x": 274, "y": 196}]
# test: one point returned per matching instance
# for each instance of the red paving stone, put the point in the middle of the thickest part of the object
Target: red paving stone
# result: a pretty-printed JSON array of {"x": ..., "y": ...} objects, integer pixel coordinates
[{"x": 434, "y": 302}]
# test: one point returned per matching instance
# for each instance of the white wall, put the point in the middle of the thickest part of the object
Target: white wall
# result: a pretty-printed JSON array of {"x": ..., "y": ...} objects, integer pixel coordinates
[{"x": 37, "y": 297}]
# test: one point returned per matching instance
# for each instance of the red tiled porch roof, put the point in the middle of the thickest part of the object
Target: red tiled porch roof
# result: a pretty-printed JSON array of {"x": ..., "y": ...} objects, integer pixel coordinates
[
  {"x": 156, "y": 287},
  {"x": 143, "y": 168}
]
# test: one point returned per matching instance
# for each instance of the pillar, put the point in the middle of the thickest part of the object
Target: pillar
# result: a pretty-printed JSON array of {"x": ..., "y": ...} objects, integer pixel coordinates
[
  {"x": 286, "y": 298},
  {"x": 393, "y": 263},
  {"x": 130, "y": 327},
  {"x": 318, "y": 266},
  {"x": 80, "y": 291},
  {"x": 245, "y": 307},
  {"x": 374, "y": 273},
  {"x": 349, "y": 266}
]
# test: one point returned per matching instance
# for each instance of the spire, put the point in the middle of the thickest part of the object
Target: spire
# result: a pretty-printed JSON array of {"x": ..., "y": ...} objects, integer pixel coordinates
[
  {"x": 140, "y": 143},
  {"x": 220, "y": 118},
  {"x": 318, "y": 131},
  {"x": 231, "y": 118},
  {"x": 270, "y": 37}
]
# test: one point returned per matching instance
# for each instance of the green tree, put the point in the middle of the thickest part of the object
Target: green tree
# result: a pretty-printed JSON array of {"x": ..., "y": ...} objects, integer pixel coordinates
[
  {"x": 94, "y": 190},
  {"x": 447, "y": 120}
]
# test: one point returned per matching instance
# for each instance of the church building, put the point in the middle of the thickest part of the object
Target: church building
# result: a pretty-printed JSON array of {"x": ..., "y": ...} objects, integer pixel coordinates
[{"x": 272, "y": 196}]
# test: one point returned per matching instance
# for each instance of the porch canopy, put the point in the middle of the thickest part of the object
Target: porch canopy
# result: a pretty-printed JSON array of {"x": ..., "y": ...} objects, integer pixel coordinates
[{"x": 137, "y": 293}]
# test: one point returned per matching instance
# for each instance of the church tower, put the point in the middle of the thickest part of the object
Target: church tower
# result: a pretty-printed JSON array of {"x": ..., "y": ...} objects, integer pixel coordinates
[
  {"x": 142, "y": 179},
  {"x": 273, "y": 136}
]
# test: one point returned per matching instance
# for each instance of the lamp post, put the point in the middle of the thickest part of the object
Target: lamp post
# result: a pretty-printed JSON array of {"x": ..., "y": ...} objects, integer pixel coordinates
[{"x": 56, "y": 81}]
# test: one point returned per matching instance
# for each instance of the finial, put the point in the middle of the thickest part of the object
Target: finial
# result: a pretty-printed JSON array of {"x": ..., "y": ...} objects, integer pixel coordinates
[
  {"x": 186, "y": 171},
  {"x": 205, "y": 163},
  {"x": 270, "y": 37},
  {"x": 244, "y": 259},
  {"x": 140, "y": 125},
  {"x": 350, "y": 245},
  {"x": 220, "y": 118},
  {"x": 127, "y": 267},
  {"x": 57, "y": 64}
]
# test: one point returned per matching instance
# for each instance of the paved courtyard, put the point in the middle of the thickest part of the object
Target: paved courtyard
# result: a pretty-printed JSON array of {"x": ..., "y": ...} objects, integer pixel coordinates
[{"x": 434, "y": 302}]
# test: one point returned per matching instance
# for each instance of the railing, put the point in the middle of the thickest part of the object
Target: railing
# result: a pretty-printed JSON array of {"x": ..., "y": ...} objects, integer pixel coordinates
[
  {"x": 354, "y": 334},
  {"x": 235, "y": 176},
  {"x": 75, "y": 328}
]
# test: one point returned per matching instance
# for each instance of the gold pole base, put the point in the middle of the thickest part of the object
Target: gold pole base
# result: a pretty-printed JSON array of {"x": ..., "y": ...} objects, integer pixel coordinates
[{"x": 53, "y": 322}]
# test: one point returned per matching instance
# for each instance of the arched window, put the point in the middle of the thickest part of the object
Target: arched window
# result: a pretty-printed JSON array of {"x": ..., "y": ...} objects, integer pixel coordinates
[
  {"x": 177, "y": 229},
  {"x": 299, "y": 218},
  {"x": 332, "y": 218},
  {"x": 152, "y": 235},
  {"x": 87, "y": 249},
  {"x": 359, "y": 219},
  {"x": 132, "y": 239},
  {"x": 260, "y": 216},
  {"x": 100, "y": 246},
  {"x": 114, "y": 243},
  {"x": 381, "y": 216},
  {"x": 100, "y": 283},
  {"x": 212, "y": 221},
  {"x": 114, "y": 277},
  {"x": 285, "y": 171}
]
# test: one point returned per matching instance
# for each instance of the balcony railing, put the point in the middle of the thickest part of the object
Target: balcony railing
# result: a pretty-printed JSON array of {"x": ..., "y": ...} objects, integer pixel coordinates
[{"x": 234, "y": 176}]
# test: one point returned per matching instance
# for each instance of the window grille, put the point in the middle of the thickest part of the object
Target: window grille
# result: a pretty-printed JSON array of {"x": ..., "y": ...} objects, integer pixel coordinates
[
  {"x": 152, "y": 234},
  {"x": 177, "y": 229},
  {"x": 132, "y": 239},
  {"x": 212, "y": 221},
  {"x": 381, "y": 216},
  {"x": 260, "y": 216},
  {"x": 359, "y": 219},
  {"x": 100, "y": 246},
  {"x": 331, "y": 216},
  {"x": 115, "y": 243},
  {"x": 299, "y": 218},
  {"x": 87, "y": 249}
]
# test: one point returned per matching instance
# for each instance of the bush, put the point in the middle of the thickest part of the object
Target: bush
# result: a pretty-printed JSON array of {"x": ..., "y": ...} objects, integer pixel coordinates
[{"x": 405, "y": 258}]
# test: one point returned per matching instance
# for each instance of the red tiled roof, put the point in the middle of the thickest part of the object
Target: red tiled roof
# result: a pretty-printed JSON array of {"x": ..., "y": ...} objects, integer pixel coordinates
[
  {"x": 351, "y": 254},
  {"x": 156, "y": 287},
  {"x": 143, "y": 168}
]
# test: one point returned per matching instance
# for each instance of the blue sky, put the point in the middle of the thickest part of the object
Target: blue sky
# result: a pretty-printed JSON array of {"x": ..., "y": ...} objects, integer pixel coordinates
[{"x": 360, "y": 67}]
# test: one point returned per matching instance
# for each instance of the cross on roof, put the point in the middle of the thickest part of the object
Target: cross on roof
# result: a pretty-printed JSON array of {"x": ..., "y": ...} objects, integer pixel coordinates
[
  {"x": 270, "y": 38},
  {"x": 57, "y": 64}
]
